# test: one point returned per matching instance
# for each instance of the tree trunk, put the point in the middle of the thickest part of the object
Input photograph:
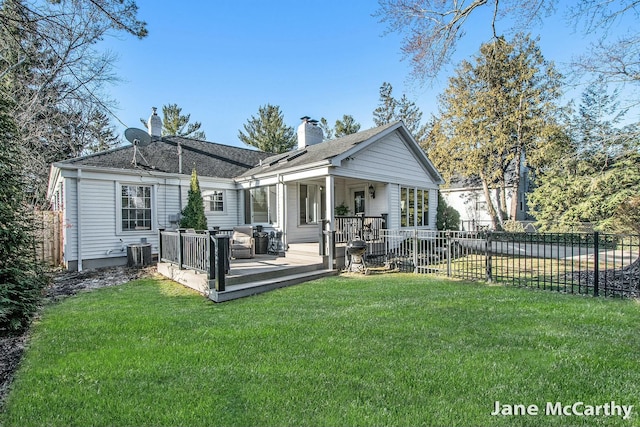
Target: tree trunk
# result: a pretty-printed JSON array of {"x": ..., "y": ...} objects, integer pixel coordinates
[
  {"x": 497, "y": 224},
  {"x": 515, "y": 185}
]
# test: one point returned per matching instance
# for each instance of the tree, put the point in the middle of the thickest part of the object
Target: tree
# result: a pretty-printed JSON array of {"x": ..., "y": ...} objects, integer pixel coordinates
[
  {"x": 54, "y": 75},
  {"x": 492, "y": 113},
  {"x": 101, "y": 134},
  {"x": 267, "y": 132},
  {"x": 597, "y": 178},
  {"x": 391, "y": 109},
  {"x": 433, "y": 29},
  {"x": 344, "y": 127},
  {"x": 193, "y": 214},
  {"x": 21, "y": 277},
  {"x": 447, "y": 218},
  {"x": 174, "y": 122}
]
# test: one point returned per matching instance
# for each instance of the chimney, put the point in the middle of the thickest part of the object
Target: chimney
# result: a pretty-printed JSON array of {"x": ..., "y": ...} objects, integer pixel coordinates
[
  {"x": 154, "y": 124},
  {"x": 309, "y": 133}
]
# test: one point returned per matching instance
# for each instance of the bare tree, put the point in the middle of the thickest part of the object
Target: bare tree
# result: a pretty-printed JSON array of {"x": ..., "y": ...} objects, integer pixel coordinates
[
  {"x": 432, "y": 28},
  {"x": 53, "y": 73}
]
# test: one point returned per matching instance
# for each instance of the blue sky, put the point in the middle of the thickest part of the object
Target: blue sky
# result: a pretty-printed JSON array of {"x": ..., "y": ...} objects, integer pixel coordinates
[{"x": 221, "y": 60}]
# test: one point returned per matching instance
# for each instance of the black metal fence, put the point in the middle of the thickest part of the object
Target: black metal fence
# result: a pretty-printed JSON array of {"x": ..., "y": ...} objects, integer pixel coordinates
[{"x": 580, "y": 263}]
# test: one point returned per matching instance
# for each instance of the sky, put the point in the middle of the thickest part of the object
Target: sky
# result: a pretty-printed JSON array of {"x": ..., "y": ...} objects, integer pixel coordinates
[{"x": 221, "y": 60}]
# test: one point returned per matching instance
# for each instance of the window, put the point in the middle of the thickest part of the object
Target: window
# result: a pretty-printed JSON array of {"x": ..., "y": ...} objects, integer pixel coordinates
[
  {"x": 136, "y": 207},
  {"x": 261, "y": 205},
  {"x": 312, "y": 204},
  {"x": 308, "y": 204},
  {"x": 414, "y": 207},
  {"x": 214, "y": 201}
]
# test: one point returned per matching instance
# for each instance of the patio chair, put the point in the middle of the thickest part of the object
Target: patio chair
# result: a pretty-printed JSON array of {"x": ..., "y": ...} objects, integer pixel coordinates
[{"x": 242, "y": 242}]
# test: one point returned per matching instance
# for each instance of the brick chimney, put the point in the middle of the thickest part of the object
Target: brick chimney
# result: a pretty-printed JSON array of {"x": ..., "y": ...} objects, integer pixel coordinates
[
  {"x": 309, "y": 133},
  {"x": 154, "y": 124}
]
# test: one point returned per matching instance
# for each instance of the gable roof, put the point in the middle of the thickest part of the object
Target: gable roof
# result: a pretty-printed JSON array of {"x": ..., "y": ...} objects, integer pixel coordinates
[
  {"x": 333, "y": 151},
  {"x": 161, "y": 155}
]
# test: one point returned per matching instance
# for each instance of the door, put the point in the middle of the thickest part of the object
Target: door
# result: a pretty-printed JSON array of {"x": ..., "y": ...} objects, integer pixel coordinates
[{"x": 358, "y": 202}]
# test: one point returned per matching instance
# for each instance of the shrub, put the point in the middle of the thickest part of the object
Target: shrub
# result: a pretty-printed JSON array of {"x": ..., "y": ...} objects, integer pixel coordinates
[
  {"x": 22, "y": 278},
  {"x": 193, "y": 214}
]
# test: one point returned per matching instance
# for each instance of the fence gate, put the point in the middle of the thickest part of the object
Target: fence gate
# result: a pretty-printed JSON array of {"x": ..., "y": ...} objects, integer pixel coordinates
[{"x": 48, "y": 237}]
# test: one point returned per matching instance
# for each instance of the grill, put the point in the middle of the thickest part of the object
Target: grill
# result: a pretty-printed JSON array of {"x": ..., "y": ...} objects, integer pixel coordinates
[{"x": 355, "y": 255}]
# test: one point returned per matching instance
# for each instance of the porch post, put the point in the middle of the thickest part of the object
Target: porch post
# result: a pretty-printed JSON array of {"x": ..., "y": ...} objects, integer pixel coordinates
[{"x": 330, "y": 217}]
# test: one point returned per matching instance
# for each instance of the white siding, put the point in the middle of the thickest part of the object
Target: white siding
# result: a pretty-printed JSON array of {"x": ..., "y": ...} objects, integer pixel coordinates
[
  {"x": 388, "y": 160},
  {"x": 100, "y": 233},
  {"x": 297, "y": 233},
  {"x": 70, "y": 229}
]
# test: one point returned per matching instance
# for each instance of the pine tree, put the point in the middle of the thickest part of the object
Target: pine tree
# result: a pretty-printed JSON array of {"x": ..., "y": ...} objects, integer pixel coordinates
[
  {"x": 193, "y": 214},
  {"x": 174, "y": 123},
  {"x": 344, "y": 127},
  {"x": 267, "y": 132},
  {"x": 21, "y": 276},
  {"x": 391, "y": 109}
]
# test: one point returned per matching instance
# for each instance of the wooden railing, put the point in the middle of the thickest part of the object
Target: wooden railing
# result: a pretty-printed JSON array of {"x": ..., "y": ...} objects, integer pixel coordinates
[{"x": 358, "y": 227}]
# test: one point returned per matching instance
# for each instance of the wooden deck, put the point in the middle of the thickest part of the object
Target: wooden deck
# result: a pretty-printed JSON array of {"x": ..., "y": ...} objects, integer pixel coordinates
[{"x": 256, "y": 275}]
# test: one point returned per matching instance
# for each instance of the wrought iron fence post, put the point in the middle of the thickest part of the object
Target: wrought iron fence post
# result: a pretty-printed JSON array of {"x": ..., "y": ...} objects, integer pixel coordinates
[
  {"x": 487, "y": 255},
  {"x": 448, "y": 237},
  {"x": 596, "y": 262},
  {"x": 180, "y": 231}
]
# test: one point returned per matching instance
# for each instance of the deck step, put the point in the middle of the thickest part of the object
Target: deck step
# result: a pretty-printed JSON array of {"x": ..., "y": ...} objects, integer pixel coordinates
[
  {"x": 247, "y": 277},
  {"x": 259, "y": 286}
]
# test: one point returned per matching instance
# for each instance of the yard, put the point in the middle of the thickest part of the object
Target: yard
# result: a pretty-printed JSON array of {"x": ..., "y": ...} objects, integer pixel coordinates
[{"x": 396, "y": 349}]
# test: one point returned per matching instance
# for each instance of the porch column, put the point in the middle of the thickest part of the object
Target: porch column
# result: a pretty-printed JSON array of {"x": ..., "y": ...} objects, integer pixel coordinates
[
  {"x": 329, "y": 183},
  {"x": 330, "y": 202}
]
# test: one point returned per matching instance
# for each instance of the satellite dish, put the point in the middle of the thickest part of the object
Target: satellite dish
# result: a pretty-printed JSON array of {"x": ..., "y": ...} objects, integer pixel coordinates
[{"x": 137, "y": 137}]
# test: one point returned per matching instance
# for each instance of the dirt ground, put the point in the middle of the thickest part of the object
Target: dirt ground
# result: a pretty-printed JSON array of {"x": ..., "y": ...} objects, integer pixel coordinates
[{"x": 63, "y": 285}]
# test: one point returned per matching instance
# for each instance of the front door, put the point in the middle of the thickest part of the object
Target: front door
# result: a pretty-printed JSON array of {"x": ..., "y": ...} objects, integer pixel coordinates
[{"x": 358, "y": 202}]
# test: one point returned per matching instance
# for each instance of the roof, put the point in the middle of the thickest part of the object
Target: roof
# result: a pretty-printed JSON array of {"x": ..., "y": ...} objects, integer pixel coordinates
[
  {"x": 331, "y": 152},
  {"x": 324, "y": 151},
  {"x": 210, "y": 159}
]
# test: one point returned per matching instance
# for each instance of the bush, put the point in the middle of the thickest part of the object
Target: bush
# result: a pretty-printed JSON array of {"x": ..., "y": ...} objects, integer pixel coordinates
[
  {"x": 193, "y": 214},
  {"x": 22, "y": 278},
  {"x": 447, "y": 218}
]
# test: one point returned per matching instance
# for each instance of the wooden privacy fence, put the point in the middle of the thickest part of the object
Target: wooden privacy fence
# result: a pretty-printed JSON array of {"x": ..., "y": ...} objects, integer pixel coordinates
[{"x": 48, "y": 237}]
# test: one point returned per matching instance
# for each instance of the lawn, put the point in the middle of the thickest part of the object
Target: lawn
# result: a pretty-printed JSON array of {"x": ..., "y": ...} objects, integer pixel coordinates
[{"x": 396, "y": 349}]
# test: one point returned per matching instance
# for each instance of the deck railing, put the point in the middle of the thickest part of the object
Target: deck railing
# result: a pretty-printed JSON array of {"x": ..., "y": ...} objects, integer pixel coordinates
[
  {"x": 358, "y": 227},
  {"x": 202, "y": 251}
]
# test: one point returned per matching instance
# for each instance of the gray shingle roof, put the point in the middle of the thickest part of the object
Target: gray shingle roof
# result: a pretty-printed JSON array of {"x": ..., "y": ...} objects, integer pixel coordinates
[
  {"x": 316, "y": 153},
  {"x": 210, "y": 159}
]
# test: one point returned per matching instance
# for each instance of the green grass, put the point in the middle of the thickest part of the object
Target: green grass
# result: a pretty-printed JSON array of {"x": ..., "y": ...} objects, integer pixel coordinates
[{"x": 378, "y": 350}]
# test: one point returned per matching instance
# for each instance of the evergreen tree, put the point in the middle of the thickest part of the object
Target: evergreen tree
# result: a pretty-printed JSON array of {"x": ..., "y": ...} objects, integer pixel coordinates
[
  {"x": 492, "y": 113},
  {"x": 267, "y": 132},
  {"x": 174, "y": 123},
  {"x": 596, "y": 180},
  {"x": 102, "y": 135},
  {"x": 447, "y": 218},
  {"x": 391, "y": 109},
  {"x": 193, "y": 214},
  {"x": 21, "y": 277},
  {"x": 343, "y": 127}
]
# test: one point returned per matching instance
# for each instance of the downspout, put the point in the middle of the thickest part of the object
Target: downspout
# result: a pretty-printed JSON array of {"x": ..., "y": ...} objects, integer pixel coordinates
[
  {"x": 282, "y": 211},
  {"x": 79, "y": 216}
]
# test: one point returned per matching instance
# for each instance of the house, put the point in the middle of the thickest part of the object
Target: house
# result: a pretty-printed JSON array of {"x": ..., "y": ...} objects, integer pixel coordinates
[
  {"x": 467, "y": 197},
  {"x": 125, "y": 195}
]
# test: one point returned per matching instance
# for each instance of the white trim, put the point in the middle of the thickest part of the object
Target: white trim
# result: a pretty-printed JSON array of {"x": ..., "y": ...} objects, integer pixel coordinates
[
  {"x": 207, "y": 202},
  {"x": 154, "y": 208}
]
